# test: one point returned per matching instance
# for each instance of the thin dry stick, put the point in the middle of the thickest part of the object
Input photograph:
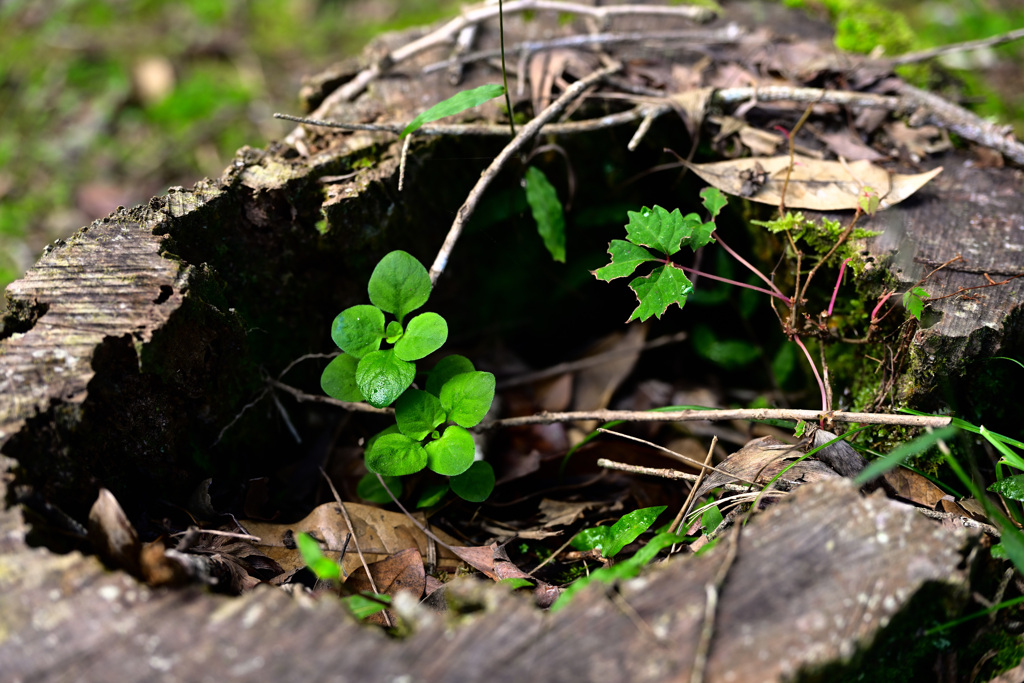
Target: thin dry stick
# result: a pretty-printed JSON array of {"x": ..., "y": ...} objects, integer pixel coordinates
[
  {"x": 303, "y": 397},
  {"x": 707, "y": 631},
  {"x": 552, "y": 556},
  {"x": 218, "y": 532},
  {"x": 683, "y": 511},
  {"x": 450, "y": 31},
  {"x": 355, "y": 539},
  {"x": 415, "y": 521},
  {"x": 677, "y": 456},
  {"x": 664, "y": 473},
  {"x": 967, "y": 46},
  {"x": 718, "y": 415},
  {"x": 525, "y": 135}
]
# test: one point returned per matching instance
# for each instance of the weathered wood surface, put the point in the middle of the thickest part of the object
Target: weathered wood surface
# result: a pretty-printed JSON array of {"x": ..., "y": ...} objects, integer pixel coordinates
[
  {"x": 815, "y": 581},
  {"x": 132, "y": 345},
  {"x": 977, "y": 214}
]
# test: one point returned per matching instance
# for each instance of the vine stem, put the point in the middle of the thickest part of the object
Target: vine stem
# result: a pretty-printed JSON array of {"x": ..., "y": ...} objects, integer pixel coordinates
[
  {"x": 733, "y": 282},
  {"x": 719, "y": 415},
  {"x": 527, "y": 133},
  {"x": 821, "y": 385}
]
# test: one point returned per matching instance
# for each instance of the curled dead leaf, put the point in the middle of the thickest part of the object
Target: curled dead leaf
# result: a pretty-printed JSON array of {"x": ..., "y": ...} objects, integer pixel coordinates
[{"x": 813, "y": 184}]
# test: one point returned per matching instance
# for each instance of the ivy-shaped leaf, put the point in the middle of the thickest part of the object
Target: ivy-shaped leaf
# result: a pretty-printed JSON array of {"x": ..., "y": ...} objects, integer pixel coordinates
[
  {"x": 399, "y": 284},
  {"x": 339, "y": 379},
  {"x": 453, "y": 453},
  {"x": 358, "y": 330},
  {"x": 657, "y": 228},
  {"x": 913, "y": 301},
  {"x": 625, "y": 258},
  {"x": 666, "y": 285},
  {"x": 547, "y": 212},
  {"x": 382, "y": 377},
  {"x": 714, "y": 201},
  {"x": 457, "y": 103},
  {"x": 426, "y": 333}
]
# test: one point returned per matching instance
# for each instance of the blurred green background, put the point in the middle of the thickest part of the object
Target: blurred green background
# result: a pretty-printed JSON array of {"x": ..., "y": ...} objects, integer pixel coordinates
[{"x": 109, "y": 103}]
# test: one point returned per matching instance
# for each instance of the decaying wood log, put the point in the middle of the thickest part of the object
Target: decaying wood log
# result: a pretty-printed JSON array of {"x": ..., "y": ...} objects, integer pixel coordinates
[
  {"x": 820, "y": 582},
  {"x": 130, "y": 347}
]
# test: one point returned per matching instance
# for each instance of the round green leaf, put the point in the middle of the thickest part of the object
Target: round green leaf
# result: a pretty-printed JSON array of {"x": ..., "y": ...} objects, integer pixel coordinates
[
  {"x": 382, "y": 377},
  {"x": 395, "y": 455},
  {"x": 399, "y": 284},
  {"x": 358, "y": 330},
  {"x": 417, "y": 413},
  {"x": 339, "y": 379},
  {"x": 369, "y": 489},
  {"x": 391, "y": 429},
  {"x": 394, "y": 332},
  {"x": 467, "y": 397},
  {"x": 453, "y": 453},
  {"x": 446, "y": 368},
  {"x": 475, "y": 484},
  {"x": 427, "y": 333}
]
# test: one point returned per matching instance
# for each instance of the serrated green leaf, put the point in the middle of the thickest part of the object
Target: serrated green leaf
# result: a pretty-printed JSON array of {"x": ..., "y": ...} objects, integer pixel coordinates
[
  {"x": 339, "y": 379},
  {"x": 475, "y": 484},
  {"x": 393, "y": 332},
  {"x": 625, "y": 258},
  {"x": 382, "y": 377},
  {"x": 701, "y": 235},
  {"x": 467, "y": 397},
  {"x": 370, "y": 489},
  {"x": 547, "y": 212},
  {"x": 399, "y": 284},
  {"x": 666, "y": 285},
  {"x": 358, "y": 330},
  {"x": 446, "y": 368},
  {"x": 453, "y": 453},
  {"x": 658, "y": 229},
  {"x": 417, "y": 413},
  {"x": 714, "y": 201},
  {"x": 426, "y": 333},
  {"x": 1010, "y": 487},
  {"x": 457, "y": 103},
  {"x": 395, "y": 455}
]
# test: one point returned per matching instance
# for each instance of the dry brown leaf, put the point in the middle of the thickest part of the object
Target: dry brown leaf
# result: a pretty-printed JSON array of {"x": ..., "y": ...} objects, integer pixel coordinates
[
  {"x": 403, "y": 571},
  {"x": 381, "y": 533},
  {"x": 813, "y": 184},
  {"x": 595, "y": 385},
  {"x": 913, "y": 487},
  {"x": 112, "y": 535},
  {"x": 561, "y": 513},
  {"x": 693, "y": 104},
  {"x": 848, "y": 145},
  {"x": 760, "y": 460}
]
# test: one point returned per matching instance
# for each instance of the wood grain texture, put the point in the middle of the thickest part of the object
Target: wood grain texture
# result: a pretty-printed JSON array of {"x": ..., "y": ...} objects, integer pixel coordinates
[{"x": 816, "y": 580}]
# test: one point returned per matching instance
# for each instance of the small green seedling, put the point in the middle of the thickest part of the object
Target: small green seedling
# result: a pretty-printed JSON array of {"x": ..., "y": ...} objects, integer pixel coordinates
[
  {"x": 666, "y": 233},
  {"x": 610, "y": 540},
  {"x": 456, "y": 104},
  {"x": 432, "y": 427},
  {"x": 361, "y": 605},
  {"x": 913, "y": 301}
]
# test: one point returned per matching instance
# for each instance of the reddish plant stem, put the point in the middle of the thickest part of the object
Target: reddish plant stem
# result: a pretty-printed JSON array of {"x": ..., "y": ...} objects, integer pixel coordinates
[
  {"x": 732, "y": 282},
  {"x": 752, "y": 269},
  {"x": 817, "y": 376},
  {"x": 839, "y": 281}
]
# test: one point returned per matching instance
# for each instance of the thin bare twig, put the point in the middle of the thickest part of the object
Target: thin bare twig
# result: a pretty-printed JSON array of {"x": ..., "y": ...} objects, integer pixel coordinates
[
  {"x": 303, "y": 397},
  {"x": 966, "y": 46},
  {"x": 667, "y": 473},
  {"x": 683, "y": 511},
  {"x": 717, "y": 415},
  {"x": 525, "y": 135},
  {"x": 678, "y": 456}
]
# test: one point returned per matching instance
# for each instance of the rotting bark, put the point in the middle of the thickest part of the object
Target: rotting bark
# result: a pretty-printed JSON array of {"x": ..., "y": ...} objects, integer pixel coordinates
[
  {"x": 816, "y": 581},
  {"x": 130, "y": 347}
]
